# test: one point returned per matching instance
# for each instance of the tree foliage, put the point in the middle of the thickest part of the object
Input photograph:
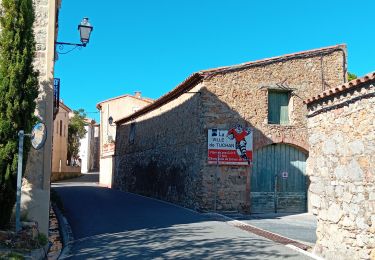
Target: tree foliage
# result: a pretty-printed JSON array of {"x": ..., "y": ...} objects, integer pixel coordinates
[
  {"x": 76, "y": 131},
  {"x": 351, "y": 76},
  {"x": 18, "y": 92}
]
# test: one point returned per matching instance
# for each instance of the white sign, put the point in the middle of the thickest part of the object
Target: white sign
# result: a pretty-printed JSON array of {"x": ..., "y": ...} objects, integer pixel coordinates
[
  {"x": 231, "y": 147},
  {"x": 284, "y": 175}
]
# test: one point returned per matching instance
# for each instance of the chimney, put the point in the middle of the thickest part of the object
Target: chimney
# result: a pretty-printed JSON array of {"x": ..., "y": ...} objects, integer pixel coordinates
[{"x": 137, "y": 94}]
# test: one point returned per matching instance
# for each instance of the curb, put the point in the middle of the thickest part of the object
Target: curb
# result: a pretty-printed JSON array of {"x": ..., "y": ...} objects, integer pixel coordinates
[
  {"x": 290, "y": 243},
  {"x": 66, "y": 233}
]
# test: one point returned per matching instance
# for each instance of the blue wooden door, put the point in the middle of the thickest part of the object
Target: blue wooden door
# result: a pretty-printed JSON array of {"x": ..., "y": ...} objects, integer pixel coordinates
[{"x": 278, "y": 180}]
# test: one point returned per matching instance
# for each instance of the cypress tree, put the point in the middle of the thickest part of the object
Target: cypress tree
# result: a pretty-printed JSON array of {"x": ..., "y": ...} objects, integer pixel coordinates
[{"x": 18, "y": 92}]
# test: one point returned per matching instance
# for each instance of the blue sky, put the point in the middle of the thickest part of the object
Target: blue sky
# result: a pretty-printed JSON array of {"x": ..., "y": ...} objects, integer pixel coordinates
[{"x": 152, "y": 46}]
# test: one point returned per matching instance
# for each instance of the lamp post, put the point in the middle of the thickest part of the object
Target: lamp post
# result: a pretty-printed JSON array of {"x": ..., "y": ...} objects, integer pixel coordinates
[{"x": 85, "y": 29}]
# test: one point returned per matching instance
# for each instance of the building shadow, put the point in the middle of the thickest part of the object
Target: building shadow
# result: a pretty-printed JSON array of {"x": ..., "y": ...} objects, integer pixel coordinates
[{"x": 165, "y": 155}]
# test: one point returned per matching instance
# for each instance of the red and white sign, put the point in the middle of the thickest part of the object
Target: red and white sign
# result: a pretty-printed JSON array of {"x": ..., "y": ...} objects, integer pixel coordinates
[{"x": 230, "y": 147}]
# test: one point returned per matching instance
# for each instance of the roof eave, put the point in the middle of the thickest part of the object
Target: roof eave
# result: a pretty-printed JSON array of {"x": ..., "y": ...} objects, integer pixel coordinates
[{"x": 186, "y": 85}]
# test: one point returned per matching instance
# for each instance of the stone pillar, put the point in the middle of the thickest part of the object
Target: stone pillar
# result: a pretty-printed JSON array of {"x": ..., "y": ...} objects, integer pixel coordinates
[{"x": 36, "y": 183}]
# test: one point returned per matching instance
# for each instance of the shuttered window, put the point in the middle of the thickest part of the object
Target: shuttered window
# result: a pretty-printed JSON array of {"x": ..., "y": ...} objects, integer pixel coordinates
[{"x": 278, "y": 107}]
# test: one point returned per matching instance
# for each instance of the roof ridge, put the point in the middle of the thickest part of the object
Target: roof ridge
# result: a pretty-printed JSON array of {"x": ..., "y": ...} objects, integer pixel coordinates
[
  {"x": 146, "y": 99},
  {"x": 273, "y": 59}
]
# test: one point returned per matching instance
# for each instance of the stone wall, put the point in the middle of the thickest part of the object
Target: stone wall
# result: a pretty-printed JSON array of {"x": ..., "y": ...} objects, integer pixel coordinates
[
  {"x": 241, "y": 96},
  {"x": 342, "y": 172},
  {"x": 168, "y": 157},
  {"x": 117, "y": 108}
]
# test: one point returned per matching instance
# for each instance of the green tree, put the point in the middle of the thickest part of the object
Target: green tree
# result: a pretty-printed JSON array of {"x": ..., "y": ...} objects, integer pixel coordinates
[
  {"x": 351, "y": 76},
  {"x": 18, "y": 92},
  {"x": 76, "y": 131}
]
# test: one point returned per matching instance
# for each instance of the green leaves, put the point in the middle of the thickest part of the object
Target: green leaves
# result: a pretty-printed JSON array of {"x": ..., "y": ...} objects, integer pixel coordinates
[
  {"x": 18, "y": 92},
  {"x": 76, "y": 131},
  {"x": 351, "y": 76}
]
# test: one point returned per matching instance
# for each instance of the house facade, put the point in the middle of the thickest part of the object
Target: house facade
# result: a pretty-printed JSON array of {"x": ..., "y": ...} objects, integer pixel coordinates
[
  {"x": 167, "y": 149},
  {"x": 114, "y": 108},
  {"x": 36, "y": 181},
  {"x": 341, "y": 167},
  {"x": 60, "y": 167}
]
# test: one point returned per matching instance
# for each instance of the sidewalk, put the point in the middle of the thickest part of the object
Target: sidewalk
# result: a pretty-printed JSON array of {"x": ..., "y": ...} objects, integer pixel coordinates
[{"x": 300, "y": 227}]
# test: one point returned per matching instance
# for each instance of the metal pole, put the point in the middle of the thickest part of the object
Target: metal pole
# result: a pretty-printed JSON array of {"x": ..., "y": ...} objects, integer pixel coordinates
[
  {"x": 275, "y": 195},
  {"x": 19, "y": 180}
]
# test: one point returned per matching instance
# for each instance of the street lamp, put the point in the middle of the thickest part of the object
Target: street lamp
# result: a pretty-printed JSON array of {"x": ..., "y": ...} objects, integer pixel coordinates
[
  {"x": 85, "y": 29},
  {"x": 110, "y": 120}
]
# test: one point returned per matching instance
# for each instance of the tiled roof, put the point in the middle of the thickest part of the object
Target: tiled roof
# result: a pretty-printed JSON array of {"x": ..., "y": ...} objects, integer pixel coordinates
[
  {"x": 341, "y": 88},
  {"x": 197, "y": 77},
  {"x": 65, "y": 106},
  {"x": 148, "y": 100}
]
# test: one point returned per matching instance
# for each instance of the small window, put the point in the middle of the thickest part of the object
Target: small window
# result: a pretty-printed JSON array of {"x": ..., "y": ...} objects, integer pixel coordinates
[
  {"x": 278, "y": 107},
  {"x": 64, "y": 130},
  {"x": 60, "y": 127},
  {"x": 132, "y": 133}
]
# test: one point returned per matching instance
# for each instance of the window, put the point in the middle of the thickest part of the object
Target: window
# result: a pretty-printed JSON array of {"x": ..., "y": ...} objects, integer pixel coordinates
[
  {"x": 64, "y": 130},
  {"x": 60, "y": 127},
  {"x": 132, "y": 133},
  {"x": 278, "y": 107}
]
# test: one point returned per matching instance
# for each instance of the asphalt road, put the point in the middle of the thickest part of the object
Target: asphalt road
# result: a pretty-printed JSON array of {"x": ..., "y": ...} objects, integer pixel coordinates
[
  {"x": 300, "y": 227},
  {"x": 109, "y": 224}
]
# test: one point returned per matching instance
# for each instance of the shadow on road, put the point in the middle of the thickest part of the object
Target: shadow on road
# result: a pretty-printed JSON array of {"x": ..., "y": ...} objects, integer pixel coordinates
[
  {"x": 191, "y": 241},
  {"x": 112, "y": 224},
  {"x": 84, "y": 179}
]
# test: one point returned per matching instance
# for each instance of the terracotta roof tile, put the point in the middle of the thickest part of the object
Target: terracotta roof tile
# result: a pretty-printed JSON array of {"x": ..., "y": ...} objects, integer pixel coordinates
[{"x": 341, "y": 88}]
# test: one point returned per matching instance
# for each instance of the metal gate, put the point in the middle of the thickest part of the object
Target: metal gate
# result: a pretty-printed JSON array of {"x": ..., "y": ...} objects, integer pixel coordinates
[{"x": 278, "y": 180}]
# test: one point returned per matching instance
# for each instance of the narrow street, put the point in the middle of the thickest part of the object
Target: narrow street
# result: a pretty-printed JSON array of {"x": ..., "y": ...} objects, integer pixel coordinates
[{"x": 116, "y": 225}]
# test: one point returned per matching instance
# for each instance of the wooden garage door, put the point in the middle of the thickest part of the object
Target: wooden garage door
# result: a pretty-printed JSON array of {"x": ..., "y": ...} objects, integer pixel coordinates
[{"x": 278, "y": 181}]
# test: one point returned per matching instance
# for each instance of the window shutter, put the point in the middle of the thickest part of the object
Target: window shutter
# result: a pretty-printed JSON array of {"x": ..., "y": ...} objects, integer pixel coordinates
[{"x": 278, "y": 111}]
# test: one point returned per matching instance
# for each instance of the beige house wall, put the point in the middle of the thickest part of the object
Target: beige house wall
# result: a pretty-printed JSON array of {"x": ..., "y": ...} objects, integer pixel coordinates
[
  {"x": 117, "y": 108},
  {"x": 168, "y": 157},
  {"x": 60, "y": 143},
  {"x": 60, "y": 140},
  {"x": 36, "y": 182}
]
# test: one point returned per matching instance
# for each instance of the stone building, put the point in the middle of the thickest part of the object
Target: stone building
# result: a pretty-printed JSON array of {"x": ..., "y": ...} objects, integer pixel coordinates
[
  {"x": 88, "y": 147},
  {"x": 114, "y": 108},
  {"x": 60, "y": 167},
  {"x": 341, "y": 167},
  {"x": 162, "y": 150},
  {"x": 36, "y": 182}
]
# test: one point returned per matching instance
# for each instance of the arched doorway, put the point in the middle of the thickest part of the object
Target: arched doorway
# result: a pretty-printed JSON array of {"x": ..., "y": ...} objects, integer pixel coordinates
[{"x": 278, "y": 180}]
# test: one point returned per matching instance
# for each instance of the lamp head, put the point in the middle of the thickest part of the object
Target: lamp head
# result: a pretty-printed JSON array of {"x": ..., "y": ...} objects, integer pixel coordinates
[{"x": 85, "y": 30}]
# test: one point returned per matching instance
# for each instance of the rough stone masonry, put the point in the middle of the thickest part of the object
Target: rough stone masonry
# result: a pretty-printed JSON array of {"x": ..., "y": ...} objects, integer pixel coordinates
[
  {"x": 341, "y": 167},
  {"x": 161, "y": 150}
]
